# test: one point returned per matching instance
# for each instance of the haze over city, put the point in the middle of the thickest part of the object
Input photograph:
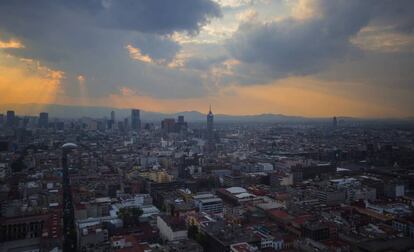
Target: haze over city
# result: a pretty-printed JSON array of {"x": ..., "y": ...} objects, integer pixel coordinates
[{"x": 300, "y": 57}]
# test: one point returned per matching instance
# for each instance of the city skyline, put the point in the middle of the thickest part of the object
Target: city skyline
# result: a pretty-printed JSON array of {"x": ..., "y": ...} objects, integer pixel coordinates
[
  {"x": 312, "y": 58},
  {"x": 108, "y": 184}
]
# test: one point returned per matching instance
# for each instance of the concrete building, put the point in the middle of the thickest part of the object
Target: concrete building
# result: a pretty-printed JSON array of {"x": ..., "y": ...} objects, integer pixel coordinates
[
  {"x": 43, "y": 120},
  {"x": 10, "y": 118},
  {"x": 394, "y": 190},
  {"x": 330, "y": 197},
  {"x": 135, "y": 119},
  {"x": 168, "y": 125},
  {"x": 171, "y": 228},
  {"x": 316, "y": 231},
  {"x": 93, "y": 239},
  {"x": 208, "y": 203},
  {"x": 22, "y": 228},
  {"x": 243, "y": 247}
]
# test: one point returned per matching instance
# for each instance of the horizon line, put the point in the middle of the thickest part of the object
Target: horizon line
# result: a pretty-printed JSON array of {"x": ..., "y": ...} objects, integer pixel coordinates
[{"x": 197, "y": 111}]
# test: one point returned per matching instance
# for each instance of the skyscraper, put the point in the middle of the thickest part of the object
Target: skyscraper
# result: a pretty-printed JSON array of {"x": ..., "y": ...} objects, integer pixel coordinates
[
  {"x": 135, "y": 119},
  {"x": 168, "y": 125},
  {"x": 335, "y": 122},
  {"x": 111, "y": 123},
  {"x": 210, "y": 130},
  {"x": 10, "y": 118},
  {"x": 181, "y": 125},
  {"x": 43, "y": 120}
]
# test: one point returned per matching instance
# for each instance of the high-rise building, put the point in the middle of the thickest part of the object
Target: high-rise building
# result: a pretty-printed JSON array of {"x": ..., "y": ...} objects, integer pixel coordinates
[
  {"x": 135, "y": 119},
  {"x": 126, "y": 124},
  {"x": 1, "y": 120},
  {"x": 111, "y": 124},
  {"x": 113, "y": 116},
  {"x": 210, "y": 130},
  {"x": 168, "y": 125},
  {"x": 181, "y": 125},
  {"x": 335, "y": 122},
  {"x": 43, "y": 120},
  {"x": 10, "y": 118}
]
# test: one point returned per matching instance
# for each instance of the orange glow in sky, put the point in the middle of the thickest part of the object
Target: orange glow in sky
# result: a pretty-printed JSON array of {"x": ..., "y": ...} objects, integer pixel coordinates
[
  {"x": 243, "y": 57},
  {"x": 28, "y": 82}
]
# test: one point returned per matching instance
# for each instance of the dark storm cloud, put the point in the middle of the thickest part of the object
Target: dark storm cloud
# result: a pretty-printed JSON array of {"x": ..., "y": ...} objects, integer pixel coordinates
[
  {"x": 149, "y": 16},
  {"x": 158, "y": 48},
  {"x": 160, "y": 16},
  {"x": 300, "y": 47},
  {"x": 47, "y": 21},
  {"x": 89, "y": 37}
]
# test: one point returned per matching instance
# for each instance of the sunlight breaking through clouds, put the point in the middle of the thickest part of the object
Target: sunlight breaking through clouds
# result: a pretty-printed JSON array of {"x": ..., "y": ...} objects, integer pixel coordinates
[{"x": 88, "y": 51}]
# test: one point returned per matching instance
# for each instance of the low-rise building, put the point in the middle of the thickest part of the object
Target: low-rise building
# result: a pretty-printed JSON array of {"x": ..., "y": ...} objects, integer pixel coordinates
[{"x": 171, "y": 228}]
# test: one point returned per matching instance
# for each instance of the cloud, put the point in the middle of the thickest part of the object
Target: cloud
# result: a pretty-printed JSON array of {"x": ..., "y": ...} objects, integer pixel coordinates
[
  {"x": 305, "y": 9},
  {"x": 203, "y": 64},
  {"x": 319, "y": 33},
  {"x": 81, "y": 79},
  {"x": 88, "y": 38},
  {"x": 294, "y": 96},
  {"x": 125, "y": 91},
  {"x": 237, "y": 4},
  {"x": 247, "y": 15},
  {"x": 234, "y": 3},
  {"x": 136, "y": 54},
  {"x": 168, "y": 52},
  {"x": 148, "y": 16},
  {"x": 395, "y": 14},
  {"x": 296, "y": 47},
  {"x": 11, "y": 44},
  {"x": 381, "y": 39},
  {"x": 159, "y": 16}
]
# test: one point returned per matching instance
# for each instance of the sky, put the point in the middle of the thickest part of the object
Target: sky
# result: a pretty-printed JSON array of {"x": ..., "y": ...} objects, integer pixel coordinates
[{"x": 295, "y": 57}]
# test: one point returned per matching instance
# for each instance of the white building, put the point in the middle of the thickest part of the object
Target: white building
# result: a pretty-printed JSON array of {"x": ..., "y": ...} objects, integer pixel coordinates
[
  {"x": 208, "y": 203},
  {"x": 171, "y": 229}
]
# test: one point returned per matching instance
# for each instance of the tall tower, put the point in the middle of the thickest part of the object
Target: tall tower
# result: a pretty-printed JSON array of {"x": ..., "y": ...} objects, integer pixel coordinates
[
  {"x": 335, "y": 122},
  {"x": 210, "y": 130},
  {"x": 135, "y": 119}
]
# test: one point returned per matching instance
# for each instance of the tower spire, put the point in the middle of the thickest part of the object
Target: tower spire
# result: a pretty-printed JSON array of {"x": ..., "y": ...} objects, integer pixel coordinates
[{"x": 210, "y": 109}]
